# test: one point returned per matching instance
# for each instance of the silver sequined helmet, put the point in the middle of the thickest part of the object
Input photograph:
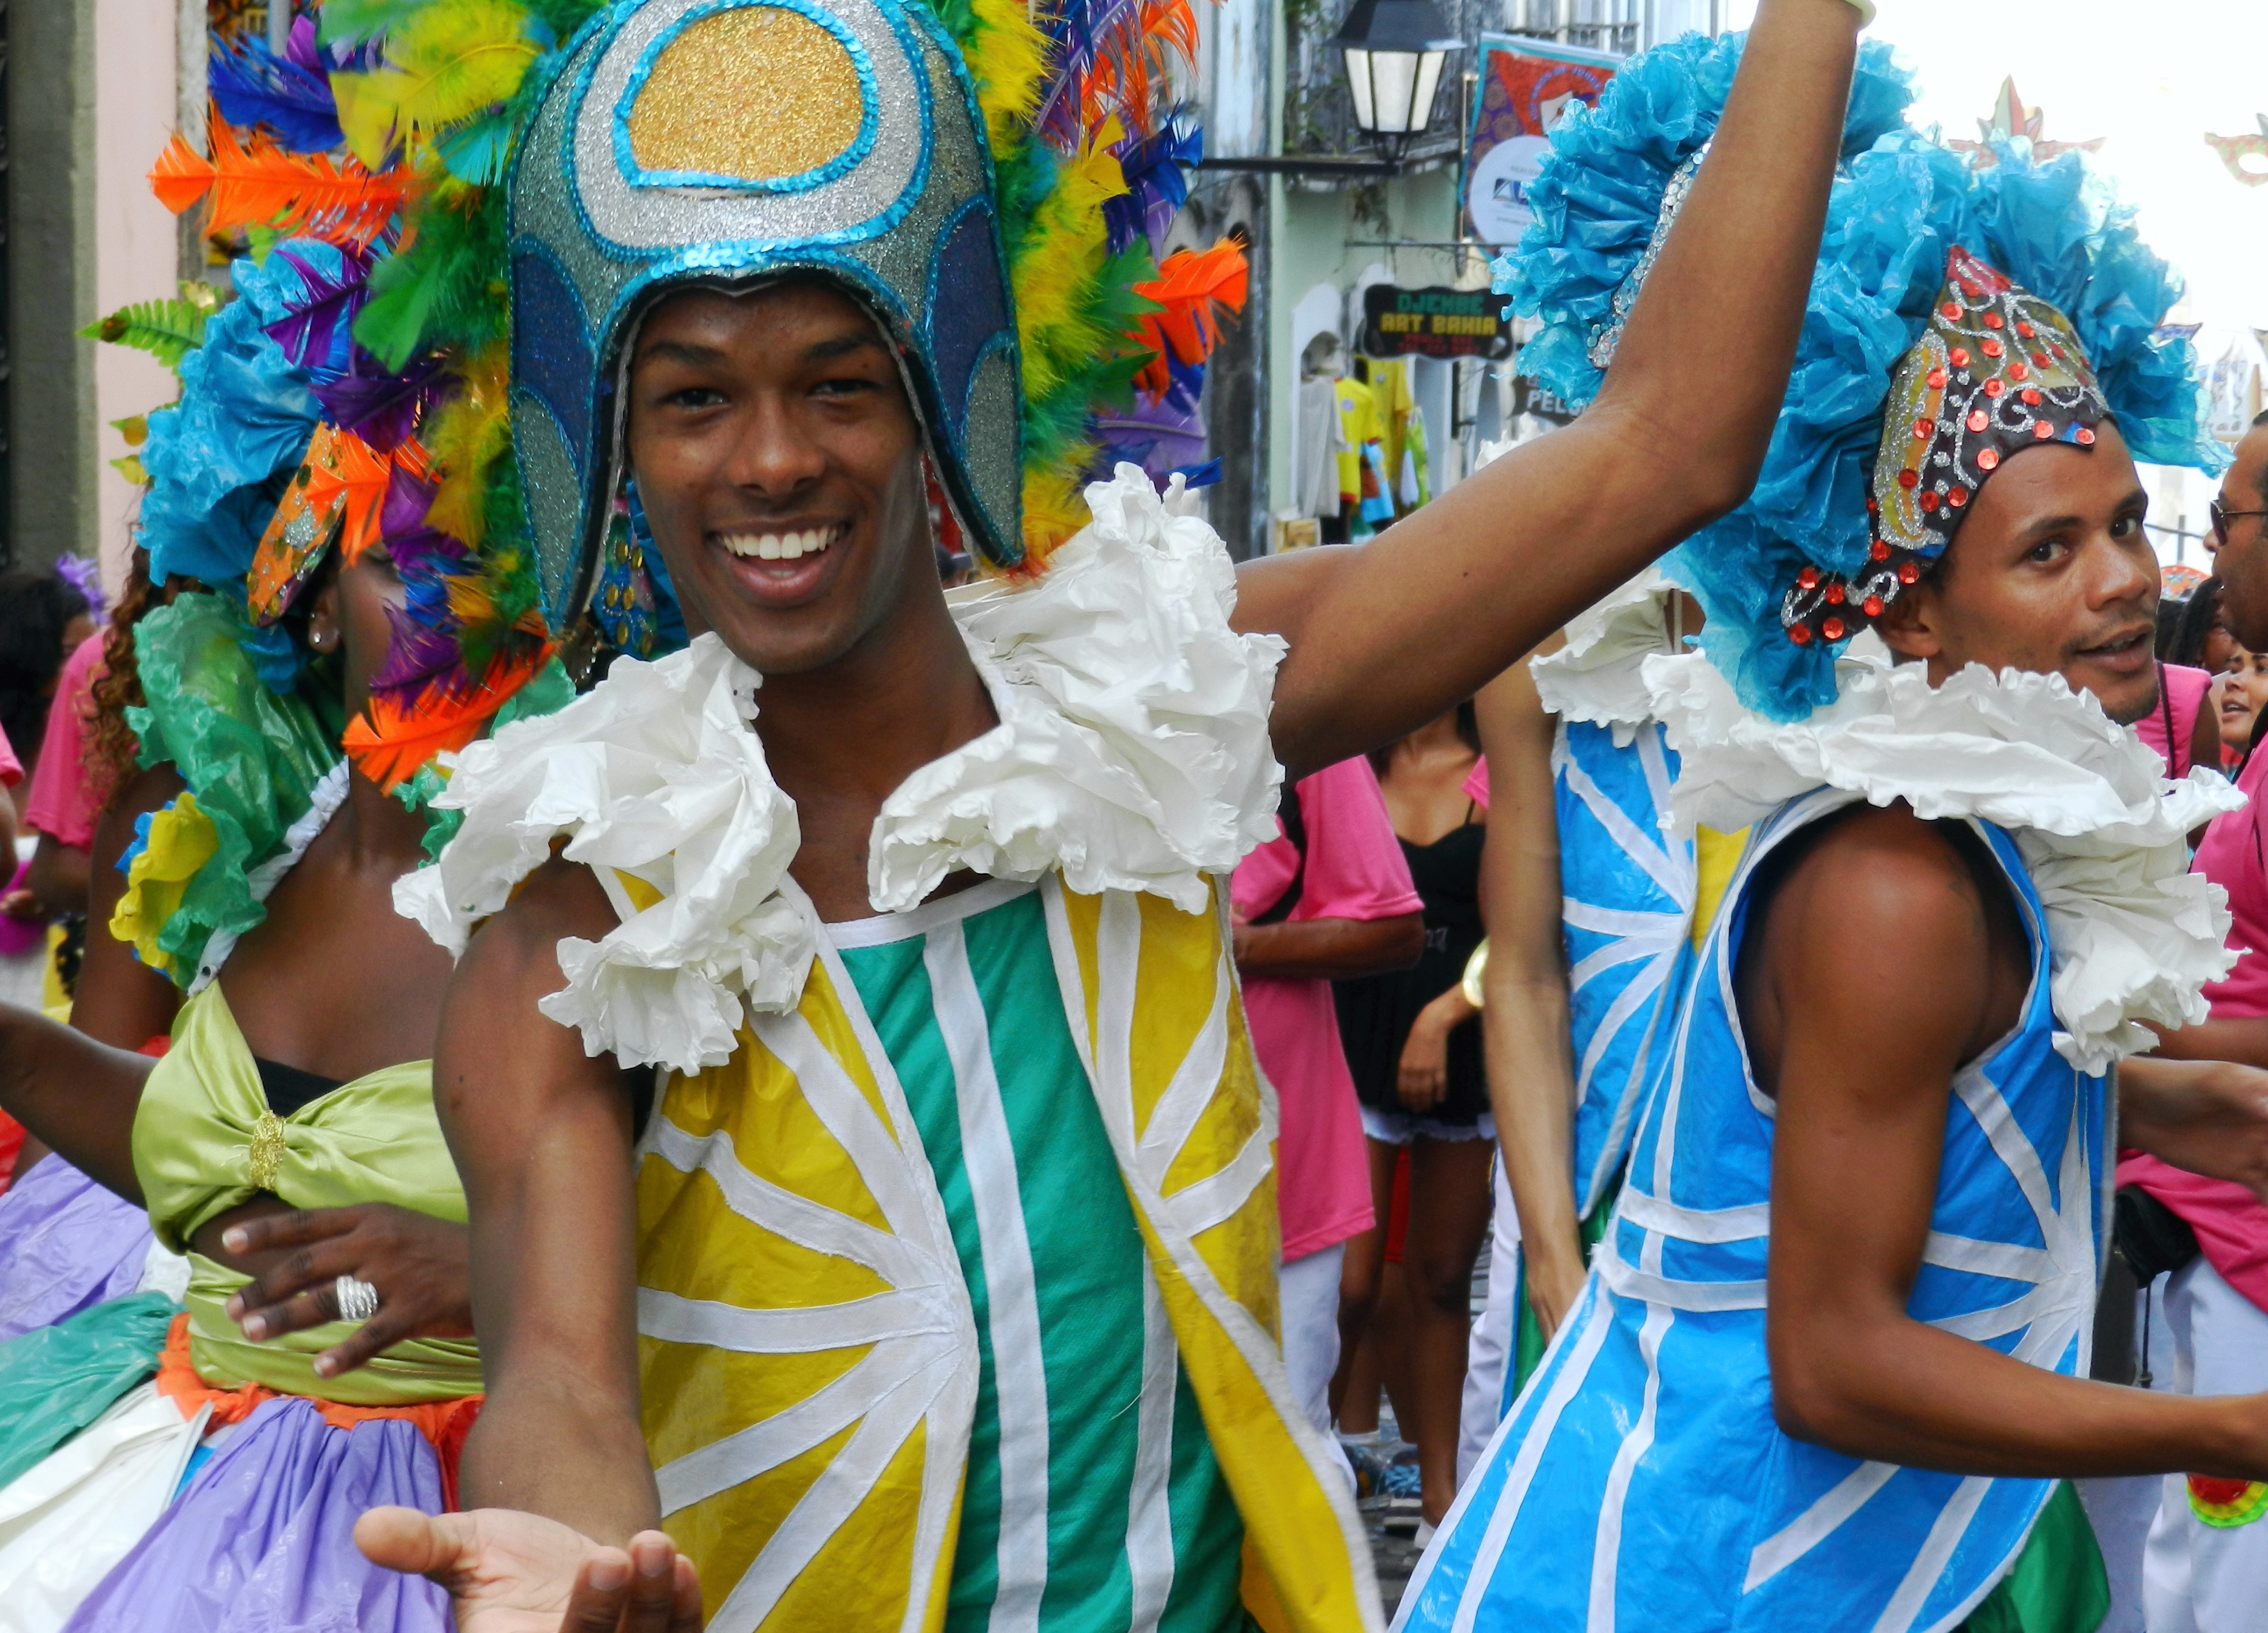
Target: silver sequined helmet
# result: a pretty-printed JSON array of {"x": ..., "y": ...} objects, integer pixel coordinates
[{"x": 728, "y": 142}]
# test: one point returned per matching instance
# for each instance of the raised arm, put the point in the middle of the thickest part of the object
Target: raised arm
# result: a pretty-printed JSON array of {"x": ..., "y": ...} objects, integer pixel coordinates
[
  {"x": 1531, "y": 1068},
  {"x": 1863, "y": 1087},
  {"x": 1385, "y": 635}
]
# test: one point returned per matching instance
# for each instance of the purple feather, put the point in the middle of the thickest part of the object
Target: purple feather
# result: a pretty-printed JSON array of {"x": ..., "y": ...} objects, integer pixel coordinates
[
  {"x": 324, "y": 308},
  {"x": 380, "y": 408},
  {"x": 300, "y": 47},
  {"x": 83, "y": 575},
  {"x": 1158, "y": 434}
]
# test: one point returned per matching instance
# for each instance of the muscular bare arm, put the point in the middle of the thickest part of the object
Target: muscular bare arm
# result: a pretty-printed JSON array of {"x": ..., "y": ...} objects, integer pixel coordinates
[
  {"x": 1862, "y": 1064},
  {"x": 542, "y": 1135},
  {"x": 1330, "y": 949},
  {"x": 122, "y": 1001},
  {"x": 76, "y": 1096},
  {"x": 1531, "y": 1068},
  {"x": 1387, "y": 636}
]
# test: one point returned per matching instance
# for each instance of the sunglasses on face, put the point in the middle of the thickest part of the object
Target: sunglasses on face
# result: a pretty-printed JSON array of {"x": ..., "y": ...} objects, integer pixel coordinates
[{"x": 2223, "y": 517}]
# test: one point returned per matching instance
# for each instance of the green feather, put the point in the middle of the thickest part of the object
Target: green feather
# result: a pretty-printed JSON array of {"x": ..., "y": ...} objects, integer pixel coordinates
[
  {"x": 168, "y": 330},
  {"x": 439, "y": 292}
]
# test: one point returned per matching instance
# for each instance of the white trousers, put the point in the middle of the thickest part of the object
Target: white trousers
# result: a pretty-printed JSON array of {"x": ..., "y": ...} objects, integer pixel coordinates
[
  {"x": 2199, "y": 1578},
  {"x": 1489, "y": 1353},
  {"x": 1309, "y": 1289}
]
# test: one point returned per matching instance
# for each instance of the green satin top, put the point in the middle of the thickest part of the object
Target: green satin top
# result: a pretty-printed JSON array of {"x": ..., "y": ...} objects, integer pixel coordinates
[{"x": 205, "y": 1141}]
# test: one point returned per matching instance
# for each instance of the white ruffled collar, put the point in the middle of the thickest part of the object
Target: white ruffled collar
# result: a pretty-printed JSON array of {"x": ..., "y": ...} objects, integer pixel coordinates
[
  {"x": 1598, "y": 676},
  {"x": 1131, "y": 753},
  {"x": 2132, "y": 933}
]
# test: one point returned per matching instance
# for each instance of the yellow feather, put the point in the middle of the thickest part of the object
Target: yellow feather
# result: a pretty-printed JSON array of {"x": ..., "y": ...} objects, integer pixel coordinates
[
  {"x": 1053, "y": 508},
  {"x": 448, "y": 63},
  {"x": 1009, "y": 64},
  {"x": 1063, "y": 256},
  {"x": 465, "y": 437}
]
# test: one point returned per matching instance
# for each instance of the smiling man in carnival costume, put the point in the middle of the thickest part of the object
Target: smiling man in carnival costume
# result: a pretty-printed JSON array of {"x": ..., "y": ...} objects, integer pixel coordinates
[
  {"x": 945, "y": 1293},
  {"x": 337, "y": 611},
  {"x": 1833, "y": 1352}
]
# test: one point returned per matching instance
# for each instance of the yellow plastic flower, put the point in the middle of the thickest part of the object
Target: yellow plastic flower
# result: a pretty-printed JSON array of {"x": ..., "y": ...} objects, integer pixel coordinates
[{"x": 181, "y": 841}]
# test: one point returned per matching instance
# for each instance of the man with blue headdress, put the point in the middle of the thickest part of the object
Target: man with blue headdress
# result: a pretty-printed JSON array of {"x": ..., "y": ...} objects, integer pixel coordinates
[
  {"x": 944, "y": 1294},
  {"x": 1833, "y": 1352}
]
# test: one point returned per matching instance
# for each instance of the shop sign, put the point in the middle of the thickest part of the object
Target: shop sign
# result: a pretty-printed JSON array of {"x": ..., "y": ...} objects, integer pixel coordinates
[
  {"x": 1525, "y": 87},
  {"x": 1399, "y": 323}
]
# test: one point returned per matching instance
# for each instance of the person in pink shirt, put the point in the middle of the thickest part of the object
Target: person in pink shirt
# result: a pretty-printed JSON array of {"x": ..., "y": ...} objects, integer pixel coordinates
[
  {"x": 1328, "y": 898},
  {"x": 2206, "y": 1570},
  {"x": 2193, "y": 647},
  {"x": 64, "y": 801}
]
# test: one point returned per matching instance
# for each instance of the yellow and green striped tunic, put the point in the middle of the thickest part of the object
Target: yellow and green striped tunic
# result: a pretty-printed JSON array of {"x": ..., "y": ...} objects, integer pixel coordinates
[{"x": 957, "y": 1292}]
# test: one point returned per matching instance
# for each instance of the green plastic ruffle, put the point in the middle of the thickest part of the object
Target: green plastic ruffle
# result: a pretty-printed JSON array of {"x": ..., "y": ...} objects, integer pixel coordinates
[
  {"x": 56, "y": 1380},
  {"x": 250, "y": 757}
]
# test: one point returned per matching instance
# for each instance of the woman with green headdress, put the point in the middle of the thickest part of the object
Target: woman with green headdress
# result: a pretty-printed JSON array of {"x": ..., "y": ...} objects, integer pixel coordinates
[{"x": 343, "y": 617}]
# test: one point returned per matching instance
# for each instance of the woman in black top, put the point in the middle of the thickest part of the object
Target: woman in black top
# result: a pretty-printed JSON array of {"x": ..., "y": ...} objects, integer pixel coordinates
[{"x": 1413, "y": 1044}]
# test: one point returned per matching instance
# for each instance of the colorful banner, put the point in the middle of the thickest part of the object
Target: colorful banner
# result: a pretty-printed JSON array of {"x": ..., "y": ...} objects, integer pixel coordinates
[
  {"x": 1524, "y": 86},
  {"x": 1436, "y": 322}
]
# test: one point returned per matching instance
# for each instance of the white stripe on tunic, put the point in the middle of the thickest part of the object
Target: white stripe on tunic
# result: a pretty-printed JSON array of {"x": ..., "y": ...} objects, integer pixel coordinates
[{"x": 1014, "y": 1314}]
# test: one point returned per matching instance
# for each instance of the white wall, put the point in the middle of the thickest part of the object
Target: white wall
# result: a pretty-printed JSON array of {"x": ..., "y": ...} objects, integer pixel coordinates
[{"x": 136, "y": 252}]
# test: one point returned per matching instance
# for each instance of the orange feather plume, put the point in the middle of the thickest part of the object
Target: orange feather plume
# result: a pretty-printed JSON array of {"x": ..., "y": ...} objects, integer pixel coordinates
[
  {"x": 392, "y": 740},
  {"x": 1189, "y": 287},
  {"x": 259, "y": 184},
  {"x": 1131, "y": 61}
]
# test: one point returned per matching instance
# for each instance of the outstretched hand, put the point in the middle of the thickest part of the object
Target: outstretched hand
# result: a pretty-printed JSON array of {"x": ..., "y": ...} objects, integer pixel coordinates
[
  {"x": 420, "y": 1265},
  {"x": 507, "y": 1571}
]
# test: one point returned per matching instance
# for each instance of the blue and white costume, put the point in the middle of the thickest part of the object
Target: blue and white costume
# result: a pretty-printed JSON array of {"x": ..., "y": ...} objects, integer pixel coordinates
[
  {"x": 1627, "y": 893},
  {"x": 1641, "y": 1482}
]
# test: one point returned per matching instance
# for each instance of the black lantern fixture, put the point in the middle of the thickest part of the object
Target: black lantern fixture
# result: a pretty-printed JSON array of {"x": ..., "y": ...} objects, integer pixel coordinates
[{"x": 1395, "y": 53}]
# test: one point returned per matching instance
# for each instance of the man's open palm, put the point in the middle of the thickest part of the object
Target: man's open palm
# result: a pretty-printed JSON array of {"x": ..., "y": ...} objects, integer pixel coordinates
[{"x": 512, "y": 1573}]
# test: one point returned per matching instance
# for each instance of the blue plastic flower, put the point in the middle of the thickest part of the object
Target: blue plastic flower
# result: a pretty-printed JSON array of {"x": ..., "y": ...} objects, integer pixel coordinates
[{"x": 244, "y": 416}]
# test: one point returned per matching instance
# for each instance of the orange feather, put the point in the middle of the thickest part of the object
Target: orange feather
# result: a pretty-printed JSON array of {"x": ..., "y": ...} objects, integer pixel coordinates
[
  {"x": 1189, "y": 287},
  {"x": 259, "y": 184},
  {"x": 392, "y": 740}
]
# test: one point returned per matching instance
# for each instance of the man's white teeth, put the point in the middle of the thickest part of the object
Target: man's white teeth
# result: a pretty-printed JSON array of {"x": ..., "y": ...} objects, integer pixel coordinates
[{"x": 778, "y": 547}]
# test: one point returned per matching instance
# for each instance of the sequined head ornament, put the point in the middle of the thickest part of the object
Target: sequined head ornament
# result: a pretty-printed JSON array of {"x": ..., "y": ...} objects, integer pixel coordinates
[
  {"x": 682, "y": 143},
  {"x": 1996, "y": 371},
  {"x": 988, "y": 187},
  {"x": 1957, "y": 316}
]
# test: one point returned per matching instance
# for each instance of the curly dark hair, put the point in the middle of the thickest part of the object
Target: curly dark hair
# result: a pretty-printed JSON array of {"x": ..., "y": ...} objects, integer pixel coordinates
[
  {"x": 37, "y": 605},
  {"x": 112, "y": 749}
]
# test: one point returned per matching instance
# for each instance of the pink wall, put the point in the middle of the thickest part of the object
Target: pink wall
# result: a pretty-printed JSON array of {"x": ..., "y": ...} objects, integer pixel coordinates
[{"x": 136, "y": 108}]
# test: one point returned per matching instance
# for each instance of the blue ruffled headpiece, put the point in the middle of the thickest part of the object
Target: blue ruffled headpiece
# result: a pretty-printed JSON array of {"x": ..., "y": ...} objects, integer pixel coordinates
[
  {"x": 1900, "y": 206},
  {"x": 218, "y": 460}
]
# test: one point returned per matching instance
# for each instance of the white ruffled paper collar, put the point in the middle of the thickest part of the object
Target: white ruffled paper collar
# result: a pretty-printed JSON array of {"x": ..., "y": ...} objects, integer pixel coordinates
[
  {"x": 1132, "y": 754},
  {"x": 2132, "y": 933},
  {"x": 1598, "y": 676}
]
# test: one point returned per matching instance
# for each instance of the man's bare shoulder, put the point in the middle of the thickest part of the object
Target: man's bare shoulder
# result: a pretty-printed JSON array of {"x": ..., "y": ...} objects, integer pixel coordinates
[
  {"x": 1878, "y": 926},
  {"x": 558, "y": 898}
]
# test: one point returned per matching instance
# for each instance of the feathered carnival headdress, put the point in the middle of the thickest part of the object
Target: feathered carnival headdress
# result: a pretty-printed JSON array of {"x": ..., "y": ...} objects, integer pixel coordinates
[
  {"x": 457, "y": 210},
  {"x": 992, "y": 188},
  {"x": 1957, "y": 315}
]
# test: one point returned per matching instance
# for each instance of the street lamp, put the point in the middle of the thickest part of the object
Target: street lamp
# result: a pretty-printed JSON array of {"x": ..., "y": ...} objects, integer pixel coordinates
[{"x": 1394, "y": 49}]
